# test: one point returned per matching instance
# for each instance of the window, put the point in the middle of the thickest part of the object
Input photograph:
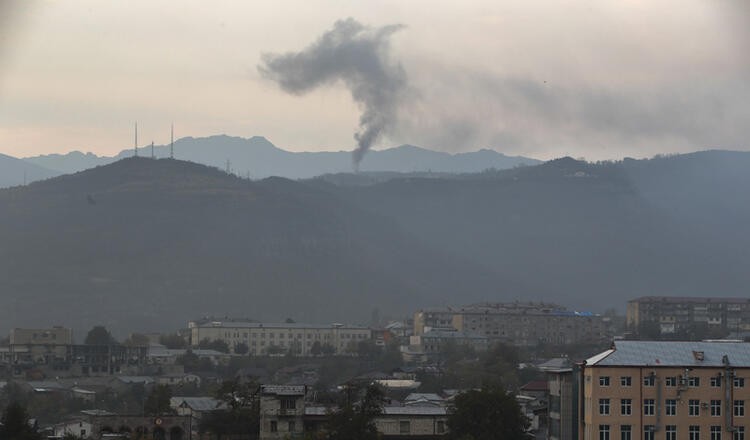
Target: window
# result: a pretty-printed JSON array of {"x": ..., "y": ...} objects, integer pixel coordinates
[
  {"x": 648, "y": 407},
  {"x": 604, "y": 381},
  {"x": 670, "y": 432},
  {"x": 739, "y": 408},
  {"x": 292, "y": 426},
  {"x": 715, "y": 382},
  {"x": 649, "y": 381},
  {"x": 694, "y": 432},
  {"x": 604, "y": 407},
  {"x": 715, "y": 408},
  {"x": 404, "y": 427},
  {"x": 274, "y": 426},
  {"x": 716, "y": 432},
  {"x": 625, "y": 381},
  {"x": 288, "y": 403},
  {"x": 670, "y": 407},
  {"x": 626, "y": 432},
  {"x": 739, "y": 433},
  {"x": 648, "y": 432},
  {"x": 694, "y": 382},
  {"x": 625, "y": 406},
  {"x": 603, "y": 432},
  {"x": 739, "y": 382},
  {"x": 694, "y": 407},
  {"x": 671, "y": 381}
]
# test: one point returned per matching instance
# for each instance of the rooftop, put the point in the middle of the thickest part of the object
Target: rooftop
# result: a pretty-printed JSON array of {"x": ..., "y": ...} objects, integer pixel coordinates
[
  {"x": 276, "y": 325},
  {"x": 283, "y": 390},
  {"x": 690, "y": 299},
  {"x": 673, "y": 354}
]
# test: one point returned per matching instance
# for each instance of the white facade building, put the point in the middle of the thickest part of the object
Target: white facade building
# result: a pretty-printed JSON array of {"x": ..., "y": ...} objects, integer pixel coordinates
[{"x": 281, "y": 338}]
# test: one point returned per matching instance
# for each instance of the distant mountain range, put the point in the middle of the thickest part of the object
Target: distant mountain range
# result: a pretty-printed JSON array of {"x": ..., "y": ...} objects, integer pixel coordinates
[
  {"x": 147, "y": 244},
  {"x": 258, "y": 158},
  {"x": 17, "y": 172}
]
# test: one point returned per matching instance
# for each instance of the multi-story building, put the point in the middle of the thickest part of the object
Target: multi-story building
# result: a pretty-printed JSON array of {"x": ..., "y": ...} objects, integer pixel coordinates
[
  {"x": 435, "y": 341},
  {"x": 45, "y": 336},
  {"x": 52, "y": 352},
  {"x": 522, "y": 324},
  {"x": 284, "y": 414},
  {"x": 282, "y": 411},
  {"x": 563, "y": 403},
  {"x": 269, "y": 338},
  {"x": 649, "y": 390},
  {"x": 688, "y": 317}
]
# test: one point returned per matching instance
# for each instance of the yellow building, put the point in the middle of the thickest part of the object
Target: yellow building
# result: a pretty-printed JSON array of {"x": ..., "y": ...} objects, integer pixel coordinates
[{"x": 659, "y": 390}]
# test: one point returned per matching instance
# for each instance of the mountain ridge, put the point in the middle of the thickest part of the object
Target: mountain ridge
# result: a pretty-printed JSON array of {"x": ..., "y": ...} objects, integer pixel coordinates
[{"x": 258, "y": 157}]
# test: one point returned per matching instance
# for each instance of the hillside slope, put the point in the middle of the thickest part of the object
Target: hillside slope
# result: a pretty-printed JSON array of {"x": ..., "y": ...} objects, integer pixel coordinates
[{"x": 148, "y": 244}]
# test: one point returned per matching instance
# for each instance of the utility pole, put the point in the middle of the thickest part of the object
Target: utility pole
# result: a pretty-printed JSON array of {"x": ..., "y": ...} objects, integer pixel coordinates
[{"x": 152, "y": 150}]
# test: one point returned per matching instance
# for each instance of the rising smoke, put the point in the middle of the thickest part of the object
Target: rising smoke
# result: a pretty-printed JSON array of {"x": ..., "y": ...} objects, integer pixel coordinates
[{"x": 356, "y": 55}]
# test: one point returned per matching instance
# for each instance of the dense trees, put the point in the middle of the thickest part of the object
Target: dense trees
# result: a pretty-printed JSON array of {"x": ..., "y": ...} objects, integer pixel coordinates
[
  {"x": 173, "y": 341},
  {"x": 157, "y": 402},
  {"x": 216, "y": 344},
  {"x": 99, "y": 335},
  {"x": 488, "y": 414},
  {"x": 355, "y": 416},
  {"x": 15, "y": 424},
  {"x": 242, "y": 415}
]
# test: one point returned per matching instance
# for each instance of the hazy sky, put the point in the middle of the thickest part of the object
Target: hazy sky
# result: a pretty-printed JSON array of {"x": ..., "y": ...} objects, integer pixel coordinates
[{"x": 598, "y": 79}]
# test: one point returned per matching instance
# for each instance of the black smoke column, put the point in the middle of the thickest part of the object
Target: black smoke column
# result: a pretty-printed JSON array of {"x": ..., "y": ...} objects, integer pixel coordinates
[{"x": 358, "y": 56}]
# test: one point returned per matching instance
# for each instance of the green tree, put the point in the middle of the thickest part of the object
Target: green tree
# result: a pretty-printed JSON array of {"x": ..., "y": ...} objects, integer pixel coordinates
[
  {"x": 355, "y": 417},
  {"x": 99, "y": 335},
  {"x": 328, "y": 349},
  {"x": 15, "y": 424},
  {"x": 316, "y": 349},
  {"x": 242, "y": 415},
  {"x": 488, "y": 414},
  {"x": 173, "y": 341},
  {"x": 241, "y": 348},
  {"x": 157, "y": 402},
  {"x": 216, "y": 344}
]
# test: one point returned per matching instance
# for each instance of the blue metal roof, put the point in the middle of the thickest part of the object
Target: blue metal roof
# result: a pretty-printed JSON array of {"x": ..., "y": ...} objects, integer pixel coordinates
[{"x": 674, "y": 354}]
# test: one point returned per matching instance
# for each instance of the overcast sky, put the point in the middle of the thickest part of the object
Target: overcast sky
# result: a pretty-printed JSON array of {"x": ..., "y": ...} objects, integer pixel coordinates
[{"x": 596, "y": 79}]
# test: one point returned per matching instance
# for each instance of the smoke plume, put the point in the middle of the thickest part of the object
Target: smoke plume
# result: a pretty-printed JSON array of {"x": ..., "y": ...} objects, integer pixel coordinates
[{"x": 356, "y": 55}]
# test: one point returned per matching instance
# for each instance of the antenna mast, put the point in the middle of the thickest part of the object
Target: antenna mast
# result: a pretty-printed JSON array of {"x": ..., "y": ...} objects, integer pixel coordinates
[
  {"x": 171, "y": 143},
  {"x": 136, "y": 140}
]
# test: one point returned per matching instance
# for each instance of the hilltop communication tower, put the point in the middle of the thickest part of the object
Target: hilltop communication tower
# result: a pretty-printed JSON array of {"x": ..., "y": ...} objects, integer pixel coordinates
[
  {"x": 171, "y": 143},
  {"x": 136, "y": 141}
]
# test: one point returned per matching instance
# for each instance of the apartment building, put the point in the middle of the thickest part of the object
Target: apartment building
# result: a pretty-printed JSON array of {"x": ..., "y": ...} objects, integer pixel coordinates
[
  {"x": 522, "y": 324},
  {"x": 269, "y": 338},
  {"x": 660, "y": 390},
  {"x": 689, "y": 317}
]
